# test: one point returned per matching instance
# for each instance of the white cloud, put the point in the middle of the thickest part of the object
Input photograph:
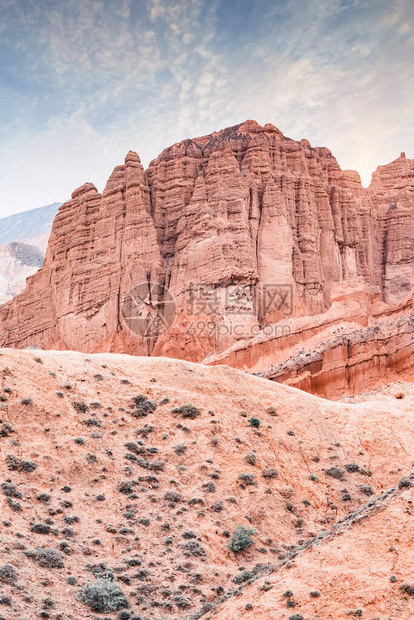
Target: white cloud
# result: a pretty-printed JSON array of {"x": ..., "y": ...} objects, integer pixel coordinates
[{"x": 337, "y": 72}]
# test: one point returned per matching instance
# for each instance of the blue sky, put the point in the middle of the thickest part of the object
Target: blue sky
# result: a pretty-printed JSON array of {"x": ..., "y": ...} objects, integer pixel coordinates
[{"x": 84, "y": 81}]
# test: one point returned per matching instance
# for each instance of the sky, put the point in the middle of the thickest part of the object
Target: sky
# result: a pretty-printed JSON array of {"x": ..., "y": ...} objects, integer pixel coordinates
[{"x": 84, "y": 81}]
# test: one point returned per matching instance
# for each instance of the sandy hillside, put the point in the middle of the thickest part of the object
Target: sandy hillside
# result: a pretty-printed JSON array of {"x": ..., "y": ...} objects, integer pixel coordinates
[{"x": 98, "y": 489}]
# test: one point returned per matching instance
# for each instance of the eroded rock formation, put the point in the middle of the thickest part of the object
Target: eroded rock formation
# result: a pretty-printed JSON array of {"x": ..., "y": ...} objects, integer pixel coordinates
[{"x": 243, "y": 227}]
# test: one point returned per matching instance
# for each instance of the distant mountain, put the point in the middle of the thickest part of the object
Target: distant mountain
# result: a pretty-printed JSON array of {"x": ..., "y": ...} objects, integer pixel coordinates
[
  {"x": 18, "y": 261},
  {"x": 32, "y": 226}
]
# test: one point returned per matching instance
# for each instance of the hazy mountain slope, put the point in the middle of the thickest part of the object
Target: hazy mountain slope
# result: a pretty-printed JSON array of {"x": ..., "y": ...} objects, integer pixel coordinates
[
  {"x": 30, "y": 226},
  {"x": 152, "y": 500},
  {"x": 18, "y": 261}
]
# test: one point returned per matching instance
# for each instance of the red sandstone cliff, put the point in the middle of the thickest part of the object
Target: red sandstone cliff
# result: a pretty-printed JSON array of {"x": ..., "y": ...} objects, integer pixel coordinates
[{"x": 215, "y": 220}]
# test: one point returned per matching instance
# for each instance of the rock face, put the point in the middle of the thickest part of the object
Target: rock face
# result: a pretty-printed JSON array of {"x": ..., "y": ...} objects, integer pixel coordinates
[
  {"x": 243, "y": 227},
  {"x": 95, "y": 485},
  {"x": 18, "y": 261}
]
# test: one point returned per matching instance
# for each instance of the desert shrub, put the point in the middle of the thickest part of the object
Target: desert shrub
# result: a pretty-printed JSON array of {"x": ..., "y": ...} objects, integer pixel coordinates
[
  {"x": 196, "y": 500},
  {"x": 296, "y": 617},
  {"x": 217, "y": 506},
  {"x": 255, "y": 422},
  {"x": 10, "y": 490},
  {"x": 250, "y": 458},
  {"x": 241, "y": 539},
  {"x": 91, "y": 422},
  {"x": 244, "y": 576},
  {"x": 407, "y": 588},
  {"x": 335, "y": 472},
  {"x": 144, "y": 431},
  {"x": 80, "y": 406},
  {"x": 366, "y": 489},
  {"x": 43, "y": 497},
  {"x": 15, "y": 506},
  {"x": 405, "y": 483},
  {"x": 180, "y": 449},
  {"x": 209, "y": 486},
  {"x": 125, "y": 487},
  {"x": 46, "y": 558},
  {"x": 41, "y": 528},
  {"x": 151, "y": 465},
  {"x": 247, "y": 479},
  {"x": 270, "y": 472},
  {"x": 192, "y": 547},
  {"x": 6, "y": 429},
  {"x": 187, "y": 411},
  {"x": 173, "y": 496},
  {"x": 8, "y": 574},
  {"x": 27, "y": 466},
  {"x": 352, "y": 467},
  {"x": 143, "y": 405},
  {"x": 103, "y": 595},
  {"x": 26, "y": 401}
]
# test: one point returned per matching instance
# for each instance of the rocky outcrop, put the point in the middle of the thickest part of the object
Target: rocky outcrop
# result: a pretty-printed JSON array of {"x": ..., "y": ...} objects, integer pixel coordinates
[
  {"x": 220, "y": 237},
  {"x": 359, "y": 344}
]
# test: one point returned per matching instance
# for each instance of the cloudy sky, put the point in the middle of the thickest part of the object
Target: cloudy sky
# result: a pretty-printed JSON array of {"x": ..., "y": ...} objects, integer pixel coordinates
[{"x": 84, "y": 81}]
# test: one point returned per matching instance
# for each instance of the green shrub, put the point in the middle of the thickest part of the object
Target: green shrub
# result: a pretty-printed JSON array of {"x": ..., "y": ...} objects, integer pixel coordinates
[
  {"x": 103, "y": 595},
  {"x": 240, "y": 539},
  {"x": 255, "y": 422}
]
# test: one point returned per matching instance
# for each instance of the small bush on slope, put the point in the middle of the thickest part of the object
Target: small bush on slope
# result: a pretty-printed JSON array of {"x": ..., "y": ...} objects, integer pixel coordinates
[
  {"x": 240, "y": 539},
  {"x": 103, "y": 595}
]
